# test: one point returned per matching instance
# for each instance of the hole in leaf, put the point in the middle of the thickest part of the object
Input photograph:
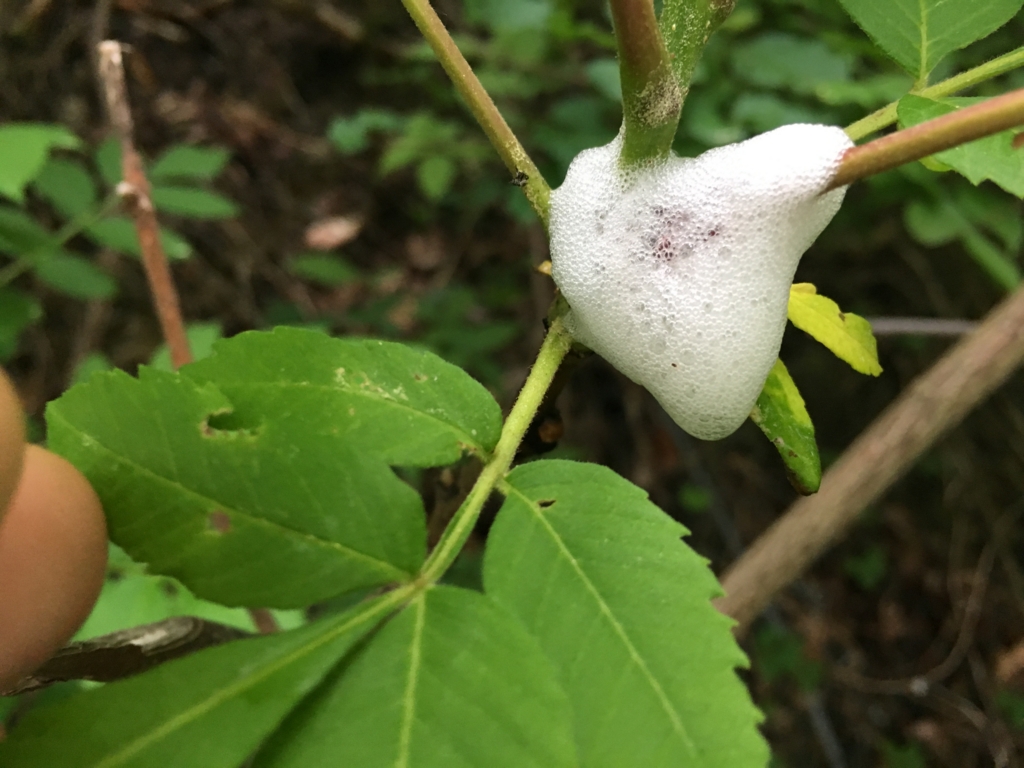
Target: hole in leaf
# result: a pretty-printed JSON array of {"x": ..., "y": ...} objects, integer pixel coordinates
[
  {"x": 228, "y": 424},
  {"x": 546, "y": 503},
  {"x": 169, "y": 588},
  {"x": 219, "y": 521}
]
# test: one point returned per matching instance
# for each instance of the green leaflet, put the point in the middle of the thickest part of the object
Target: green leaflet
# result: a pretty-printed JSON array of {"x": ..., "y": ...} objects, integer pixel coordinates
[
  {"x": 184, "y": 161},
  {"x": 622, "y": 608},
  {"x": 132, "y": 597},
  {"x": 210, "y": 709},
  {"x": 992, "y": 158},
  {"x": 847, "y": 336},
  {"x": 67, "y": 186},
  {"x": 920, "y": 33},
  {"x": 193, "y": 202},
  {"x": 782, "y": 416},
  {"x": 452, "y": 681},
  {"x": 24, "y": 148},
  {"x": 407, "y": 406}
]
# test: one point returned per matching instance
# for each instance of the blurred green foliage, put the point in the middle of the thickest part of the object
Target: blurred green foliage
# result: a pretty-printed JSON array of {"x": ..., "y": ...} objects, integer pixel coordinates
[{"x": 58, "y": 207}]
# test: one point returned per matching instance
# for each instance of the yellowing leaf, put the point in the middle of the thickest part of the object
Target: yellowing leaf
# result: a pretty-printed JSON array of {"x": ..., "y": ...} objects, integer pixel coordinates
[
  {"x": 847, "y": 336},
  {"x": 782, "y": 416}
]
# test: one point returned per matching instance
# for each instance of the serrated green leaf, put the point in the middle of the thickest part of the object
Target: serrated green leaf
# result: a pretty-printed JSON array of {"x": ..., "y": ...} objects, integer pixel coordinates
[
  {"x": 18, "y": 310},
  {"x": 258, "y": 511},
  {"x": 24, "y": 148},
  {"x": 406, "y": 406},
  {"x": 323, "y": 268},
  {"x": 118, "y": 234},
  {"x": 193, "y": 202},
  {"x": 622, "y": 608},
  {"x": 75, "y": 276},
  {"x": 993, "y": 158},
  {"x": 782, "y": 416},
  {"x": 453, "y": 681},
  {"x": 183, "y": 161},
  {"x": 212, "y": 708},
  {"x": 920, "y": 33},
  {"x": 66, "y": 185},
  {"x": 846, "y": 335}
]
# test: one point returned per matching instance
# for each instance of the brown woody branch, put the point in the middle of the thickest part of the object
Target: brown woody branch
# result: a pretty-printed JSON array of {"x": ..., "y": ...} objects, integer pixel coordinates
[
  {"x": 934, "y": 403},
  {"x": 135, "y": 190},
  {"x": 920, "y": 141}
]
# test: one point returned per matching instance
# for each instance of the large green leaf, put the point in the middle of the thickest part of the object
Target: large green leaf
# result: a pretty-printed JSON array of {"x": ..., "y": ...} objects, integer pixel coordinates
[
  {"x": 782, "y": 416},
  {"x": 993, "y": 157},
  {"x": 24, "y": 148},
  {"x": 211, "y": 709},
  {"x": 451, "y": 682},
  {"x": 265, "y": 512},
  {"x": 846, "y": 335},
  {"x": 919, "y": 33},
  {"x": 622, "y": 608},
  {"x": 406, "y": 406}
]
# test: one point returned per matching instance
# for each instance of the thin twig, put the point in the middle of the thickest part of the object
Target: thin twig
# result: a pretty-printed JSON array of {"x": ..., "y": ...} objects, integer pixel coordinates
[
  {"x": 920, "y": 326},
  {"x": 134, "y": 189},
  {"x": 935, "y": 402},
  {"x": 886, "y": 116},
  {"x": 920, "y": 141}
]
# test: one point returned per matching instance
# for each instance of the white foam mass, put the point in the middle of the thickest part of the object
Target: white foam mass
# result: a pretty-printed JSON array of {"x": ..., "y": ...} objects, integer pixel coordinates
[{"x": 678, "y": 274}]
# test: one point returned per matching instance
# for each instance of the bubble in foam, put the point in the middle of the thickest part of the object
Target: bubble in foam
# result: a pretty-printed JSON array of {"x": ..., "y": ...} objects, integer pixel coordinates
[{"x": 710, "y": 242}]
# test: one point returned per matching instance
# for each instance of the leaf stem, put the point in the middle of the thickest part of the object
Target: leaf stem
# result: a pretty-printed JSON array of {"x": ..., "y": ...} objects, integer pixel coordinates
[
  {"x": 951, "y": 130},
  {"x": 886, "y": 116},
  {"x": 552, "y": 352},
  {"x": 651, "y": 96},
  {"x": 686, "y": 26},
  {"x": 481, "y": 105}
]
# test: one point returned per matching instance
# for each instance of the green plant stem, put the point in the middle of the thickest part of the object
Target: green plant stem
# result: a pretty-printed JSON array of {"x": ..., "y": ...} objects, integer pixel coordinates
[
  {"x": 651, "y": 97},
  {"x": 70, "y": 229},
  {"x": 686, "y": 26},
  {"x": 924, "y": 139},
  {"x": 481, "y": 105},
  {"x": 886, "y": 116},
  {"x": 552, "y": 352}
]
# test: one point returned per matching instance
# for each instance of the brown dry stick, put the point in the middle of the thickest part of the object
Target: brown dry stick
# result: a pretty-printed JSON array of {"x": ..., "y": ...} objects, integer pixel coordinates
[{"x": 933, "y": 403}]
